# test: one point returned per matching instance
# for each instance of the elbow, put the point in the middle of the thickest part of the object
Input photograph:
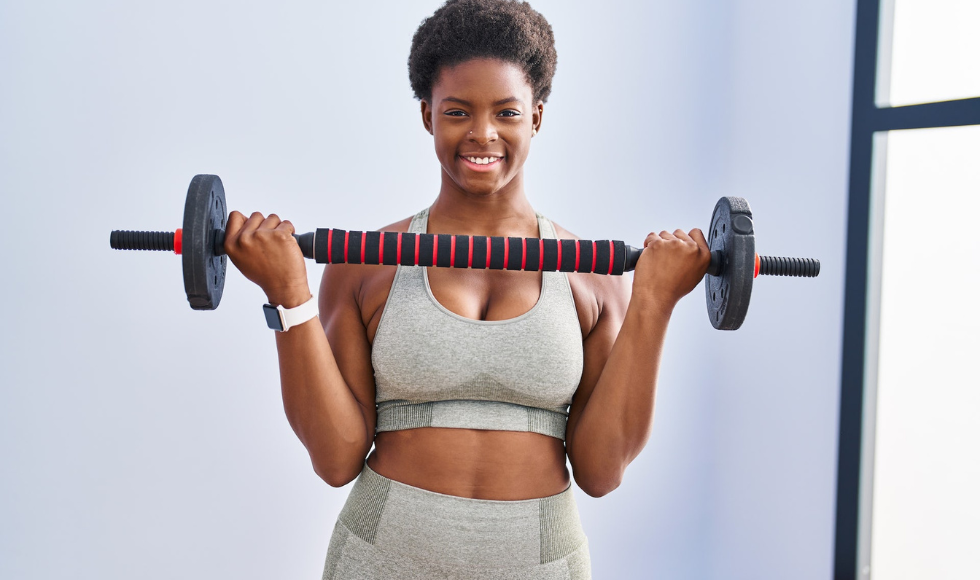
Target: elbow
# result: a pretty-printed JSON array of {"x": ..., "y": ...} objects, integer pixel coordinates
[
  {"x": 335, "y": 475},
  {"x": 598, "y": 485}
]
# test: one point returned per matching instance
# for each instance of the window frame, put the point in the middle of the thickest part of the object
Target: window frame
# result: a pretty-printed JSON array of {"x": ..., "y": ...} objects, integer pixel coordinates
[{"x": 869, "y": 123}]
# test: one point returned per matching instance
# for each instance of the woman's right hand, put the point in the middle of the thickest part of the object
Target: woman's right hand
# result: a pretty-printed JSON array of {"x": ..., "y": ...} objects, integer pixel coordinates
[{"x": 265, "y": 251}]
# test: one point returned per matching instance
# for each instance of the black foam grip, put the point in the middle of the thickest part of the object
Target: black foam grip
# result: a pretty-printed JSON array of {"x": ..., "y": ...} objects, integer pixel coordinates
[
  {"x": 480, "y": 244},
  {"x": 462, "y": 251},
  {"x": 408, "y": 250},
  {"x": 619, "y": 258},
  {"x": 497, "y": 253},
  {"x": 602, "y": 256},
  {"x": 354, "y": 250},
  {"x": 533, "y": 255},
  {"x": 371, "y": 248},
  {"x": 335, "y": 246}
]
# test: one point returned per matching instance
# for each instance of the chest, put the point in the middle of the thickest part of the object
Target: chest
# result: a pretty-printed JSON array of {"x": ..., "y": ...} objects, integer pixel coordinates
[{"x": 484, "y": 295}]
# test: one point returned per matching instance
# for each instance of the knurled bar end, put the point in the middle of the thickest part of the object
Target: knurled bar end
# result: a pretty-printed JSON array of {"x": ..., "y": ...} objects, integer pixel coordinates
[
  {"x": 151, "y": 241},
  {"x": 798, "y": 267}
]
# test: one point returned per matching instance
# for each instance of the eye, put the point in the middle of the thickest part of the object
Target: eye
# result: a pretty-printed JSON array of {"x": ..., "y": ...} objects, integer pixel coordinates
[
  {"x": 455, "y": 113},
  {"x": 510, "y": 113}
]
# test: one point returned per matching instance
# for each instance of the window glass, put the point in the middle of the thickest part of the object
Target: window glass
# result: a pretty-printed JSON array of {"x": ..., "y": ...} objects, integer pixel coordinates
[
  {"x": 935, "y": 51},
  {"x": 926, "y": 458}
]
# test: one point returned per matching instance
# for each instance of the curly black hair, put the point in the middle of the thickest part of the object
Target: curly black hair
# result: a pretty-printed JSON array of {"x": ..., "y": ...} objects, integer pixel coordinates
[{"x": 464, "y": 29}]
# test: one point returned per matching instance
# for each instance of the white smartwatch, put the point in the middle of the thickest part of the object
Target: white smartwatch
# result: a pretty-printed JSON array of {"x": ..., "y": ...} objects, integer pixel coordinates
[{"x": 282, "y": 319}]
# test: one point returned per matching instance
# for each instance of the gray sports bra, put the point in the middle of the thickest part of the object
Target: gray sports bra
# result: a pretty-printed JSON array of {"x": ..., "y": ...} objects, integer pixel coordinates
[{"x": 435, "y": 368}]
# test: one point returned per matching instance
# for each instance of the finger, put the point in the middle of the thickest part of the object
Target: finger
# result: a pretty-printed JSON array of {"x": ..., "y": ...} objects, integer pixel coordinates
[
  {"x": 665, "y": 235},
  {"x": 271, "y": 222},
  {"x": 651, "y": 238},
  {"x": 286, "y": 226},
  {"x": 233, "y": 228},
  {"x": 235, "y": 222},
  {"x": 252, "y": 223},
  {"x": 682, "y": 235},
  {"x": 698, "y": 236}
]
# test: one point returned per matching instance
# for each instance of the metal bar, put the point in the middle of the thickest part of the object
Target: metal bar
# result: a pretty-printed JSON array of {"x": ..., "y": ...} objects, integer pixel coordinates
[
  {"x": 944, "y": 114},
  {"x": 855, "y": 290}
]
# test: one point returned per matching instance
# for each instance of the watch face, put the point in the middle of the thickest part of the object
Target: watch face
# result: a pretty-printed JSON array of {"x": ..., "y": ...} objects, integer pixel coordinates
[{"x": 272, "y": 317}]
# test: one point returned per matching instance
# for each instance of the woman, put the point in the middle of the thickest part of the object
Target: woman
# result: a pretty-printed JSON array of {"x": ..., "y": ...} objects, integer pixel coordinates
[{"x": 472, "y": 385}]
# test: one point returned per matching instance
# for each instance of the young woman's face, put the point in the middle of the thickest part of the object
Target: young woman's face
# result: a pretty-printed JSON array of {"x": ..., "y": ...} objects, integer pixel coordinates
[{"x": 481, "y": 116}]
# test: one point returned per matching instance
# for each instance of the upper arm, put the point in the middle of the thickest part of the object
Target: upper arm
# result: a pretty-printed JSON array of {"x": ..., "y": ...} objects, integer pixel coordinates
[
  {"x": 601, "y": 303},
  {"x": 351, "y": 298},
  {"x": 340, "y": 315},
  {"x": 607, "y": 298}
]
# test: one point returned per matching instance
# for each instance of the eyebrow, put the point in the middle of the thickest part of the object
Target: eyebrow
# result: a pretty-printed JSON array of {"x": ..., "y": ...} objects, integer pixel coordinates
[{"x": 495, "y": 103}]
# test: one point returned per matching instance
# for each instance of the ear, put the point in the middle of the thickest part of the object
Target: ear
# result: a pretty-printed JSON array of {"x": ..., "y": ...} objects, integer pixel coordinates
[
  {"x": 536, "y": 116},
  {"x": 427, "y": 116}
]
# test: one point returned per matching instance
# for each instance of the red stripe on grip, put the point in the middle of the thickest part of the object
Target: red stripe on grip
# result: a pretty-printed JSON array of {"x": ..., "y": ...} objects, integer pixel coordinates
[
  {"x": 523, "y": 253},
  {"x": 506, "y": 253},
  {"x": 452, "y": 251},
  {"x": 329, "y": 244},
  {"x": 363, "y": 245},
  {"x": 418, "y": 242},
  {"x": 381, "y": 249},
  {"x": 578, "y": 252},
  {"x": 541, "y": 254},
  {"x": 612, "y": 254},
  {"x": 398, "y": 257},
  {"x": 469, "y": 260},
  {"x": 346, "y": 245},
  {"x": 594, "y": 248}
]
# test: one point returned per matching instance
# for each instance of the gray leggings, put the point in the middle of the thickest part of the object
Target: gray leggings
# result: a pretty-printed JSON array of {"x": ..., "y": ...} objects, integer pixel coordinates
[{"x": 395, "y": 531}]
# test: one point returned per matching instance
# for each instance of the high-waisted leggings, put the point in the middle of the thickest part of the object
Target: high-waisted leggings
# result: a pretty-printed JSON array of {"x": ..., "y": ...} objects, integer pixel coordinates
[{"x": 391, "y": 530}]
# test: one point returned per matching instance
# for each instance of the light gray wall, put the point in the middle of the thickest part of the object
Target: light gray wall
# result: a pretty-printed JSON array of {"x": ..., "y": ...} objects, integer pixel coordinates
[{"x": 141, "y": 439}]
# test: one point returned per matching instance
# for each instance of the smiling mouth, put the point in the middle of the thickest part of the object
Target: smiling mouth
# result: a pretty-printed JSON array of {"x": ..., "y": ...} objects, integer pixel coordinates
[{"x": 482, "y": 161}]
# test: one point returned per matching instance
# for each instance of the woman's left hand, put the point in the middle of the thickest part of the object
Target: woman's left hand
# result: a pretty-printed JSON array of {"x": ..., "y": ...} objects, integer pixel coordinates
[{"x": 670, "y": 266}]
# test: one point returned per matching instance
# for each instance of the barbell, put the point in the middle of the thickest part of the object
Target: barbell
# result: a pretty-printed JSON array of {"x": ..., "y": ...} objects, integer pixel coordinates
[{"x": 728, "y": 282}]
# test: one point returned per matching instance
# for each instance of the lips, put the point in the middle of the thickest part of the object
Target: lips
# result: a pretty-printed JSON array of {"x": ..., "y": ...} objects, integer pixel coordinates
[
  {"x": 485, "y": 162},
  {"x": 482, "y": 160}
]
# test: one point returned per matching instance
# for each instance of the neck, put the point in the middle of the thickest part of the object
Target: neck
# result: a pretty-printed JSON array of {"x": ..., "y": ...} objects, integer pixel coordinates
[{"x": 500, "y": 213}]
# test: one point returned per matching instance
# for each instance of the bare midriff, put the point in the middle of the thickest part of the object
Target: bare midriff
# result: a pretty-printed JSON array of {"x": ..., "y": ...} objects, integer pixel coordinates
[{"x": 496, "y": 465}]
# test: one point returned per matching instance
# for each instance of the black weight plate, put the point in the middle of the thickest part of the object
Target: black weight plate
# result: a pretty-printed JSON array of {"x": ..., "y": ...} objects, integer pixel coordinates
[
  {"x": 728, "y": 293},
  {"x": 204, "y": 213}
]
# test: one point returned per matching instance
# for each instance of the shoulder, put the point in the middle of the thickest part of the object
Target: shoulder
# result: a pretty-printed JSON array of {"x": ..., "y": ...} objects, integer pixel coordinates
[
  {"x": 597, "y": 297},
  {"x": 356, "y": 285}
]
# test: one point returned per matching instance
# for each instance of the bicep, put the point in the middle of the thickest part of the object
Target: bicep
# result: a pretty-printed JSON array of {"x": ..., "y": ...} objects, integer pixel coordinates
[
  {"x": 612, "y": 296},
  {"x": 340, "y": 315}
]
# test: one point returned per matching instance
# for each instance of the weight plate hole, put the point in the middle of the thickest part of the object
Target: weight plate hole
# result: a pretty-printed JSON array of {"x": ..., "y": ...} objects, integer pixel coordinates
[
  {"x": 722, "y": 228},
  {"x": 712, "y": 296}
]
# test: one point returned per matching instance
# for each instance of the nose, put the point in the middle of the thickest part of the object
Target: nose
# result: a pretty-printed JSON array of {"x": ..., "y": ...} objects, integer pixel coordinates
[{"x": 483, "y": 132}]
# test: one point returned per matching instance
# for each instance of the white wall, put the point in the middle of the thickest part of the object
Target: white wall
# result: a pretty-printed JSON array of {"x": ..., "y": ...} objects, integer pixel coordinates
[{"x": 141, "y": 439}]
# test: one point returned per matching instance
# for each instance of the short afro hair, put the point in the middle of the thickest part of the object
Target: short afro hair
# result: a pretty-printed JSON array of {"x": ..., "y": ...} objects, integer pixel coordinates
[{"x": 461, "y": 30}]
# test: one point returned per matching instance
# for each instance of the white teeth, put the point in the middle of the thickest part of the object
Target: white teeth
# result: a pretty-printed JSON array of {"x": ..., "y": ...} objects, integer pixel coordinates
[{"x": 482, "y": 160}]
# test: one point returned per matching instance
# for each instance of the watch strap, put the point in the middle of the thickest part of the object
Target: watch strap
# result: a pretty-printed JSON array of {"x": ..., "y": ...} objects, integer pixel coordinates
[{"x": 282, "y": 319}]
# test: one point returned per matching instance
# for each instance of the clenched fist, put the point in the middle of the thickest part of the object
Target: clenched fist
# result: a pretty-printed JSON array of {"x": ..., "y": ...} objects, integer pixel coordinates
[
  {"x": 670, "y": 266},
  {"x": 264, "y": 250}
]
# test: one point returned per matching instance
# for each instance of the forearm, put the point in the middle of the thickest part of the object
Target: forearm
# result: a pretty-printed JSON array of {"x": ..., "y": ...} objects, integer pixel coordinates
[
  {"x": 319, "y": 404},
  {"x": 617, "y": 419}
]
